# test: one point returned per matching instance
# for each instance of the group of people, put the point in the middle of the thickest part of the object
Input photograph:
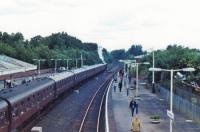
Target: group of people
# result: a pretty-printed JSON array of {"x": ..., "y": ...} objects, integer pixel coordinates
[
  {"x": 119, "y": 84},
  {"x": 133, "y": 105}
]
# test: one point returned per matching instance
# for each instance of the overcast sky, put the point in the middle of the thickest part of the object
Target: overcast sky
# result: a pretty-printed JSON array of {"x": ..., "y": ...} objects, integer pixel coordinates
[{"x": 113, "y": 24}]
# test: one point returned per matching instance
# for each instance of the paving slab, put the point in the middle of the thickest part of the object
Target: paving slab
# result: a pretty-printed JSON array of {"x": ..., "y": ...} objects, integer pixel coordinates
[{"x": 150, "y": 104}]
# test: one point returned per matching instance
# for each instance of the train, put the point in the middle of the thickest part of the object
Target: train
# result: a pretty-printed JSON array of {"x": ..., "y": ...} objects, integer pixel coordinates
[{"x": 20, "y": 105}]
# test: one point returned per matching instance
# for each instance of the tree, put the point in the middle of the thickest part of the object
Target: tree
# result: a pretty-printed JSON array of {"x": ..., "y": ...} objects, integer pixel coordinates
[
  {"x": 135, "y": 50},
  {"x": 18, "y": 37},
  {"x": 5, "y": 37},
  {"x": 107, "y": 56},
  {"x": 36, "y": 41},
  {"x": 118, "y": 54},
  {"x": 1, "y": 35},
  {"x": 175, "y": 57},
  {"x": 57, "y": 45}
]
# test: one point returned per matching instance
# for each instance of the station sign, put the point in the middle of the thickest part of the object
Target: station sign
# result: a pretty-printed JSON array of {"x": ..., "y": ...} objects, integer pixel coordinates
[
  {"x": 194, "y": 100},
  {"x": 170, "y": 114}
]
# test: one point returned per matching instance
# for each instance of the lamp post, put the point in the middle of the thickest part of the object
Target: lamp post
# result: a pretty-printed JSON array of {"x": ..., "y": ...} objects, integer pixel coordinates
[
  {"x": 76, "y": 63},
  {"x": 153, "y": 76},
  {"x": 127, "y": 74},
  {"x": 55, "y": 60},
  {"x": 39, "y": 60},
  {"x": 170, "y": 112},
  {"x": 137, "y": 67},
  {"x": 81, "y": 60},
  {"x": 137, "y": 79}
]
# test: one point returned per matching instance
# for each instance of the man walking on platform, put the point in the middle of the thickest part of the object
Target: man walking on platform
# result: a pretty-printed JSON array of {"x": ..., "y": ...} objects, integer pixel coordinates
[
  {"x": 134, "y": 106},
  {"x": 115, "y": 85}
]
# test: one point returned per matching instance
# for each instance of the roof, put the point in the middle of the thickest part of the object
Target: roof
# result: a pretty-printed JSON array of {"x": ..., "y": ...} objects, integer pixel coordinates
[
  {"x": 23, "y": 90},
  {"x": 62, "y": 75},
  {"x": 139, "y": 56},
  {"x": 10, "y": 65},
  {"x": 20, "y": 91}
]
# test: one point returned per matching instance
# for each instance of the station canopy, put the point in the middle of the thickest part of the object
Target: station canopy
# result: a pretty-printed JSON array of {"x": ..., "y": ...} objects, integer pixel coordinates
[{"x": 10, "y": 65}]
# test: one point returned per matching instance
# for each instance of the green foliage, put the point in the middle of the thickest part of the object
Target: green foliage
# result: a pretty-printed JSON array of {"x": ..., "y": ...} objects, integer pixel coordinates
[
  {"x": 107, "y": 56},
  {"x": 58, "y": 45},
  {"x": 155, "y": 117},
  {"x": 118, "y": 54},
  {"x": 135, "y": 50},
  {"x": 176, "y": 57}
]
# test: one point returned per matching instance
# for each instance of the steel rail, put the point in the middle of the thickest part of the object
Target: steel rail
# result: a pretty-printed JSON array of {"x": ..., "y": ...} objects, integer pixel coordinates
[
  {"x": 103, "y": 97},
  {"x": 106, "y": 109},
  {"x": 89, "y": 106}
]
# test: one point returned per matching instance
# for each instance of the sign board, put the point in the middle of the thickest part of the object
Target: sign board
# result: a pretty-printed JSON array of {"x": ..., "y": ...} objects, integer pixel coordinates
[
  {"x": 170, "y": 114},
  {"x": 194, "y": 100},
  {"x": 143, "y": 83}
]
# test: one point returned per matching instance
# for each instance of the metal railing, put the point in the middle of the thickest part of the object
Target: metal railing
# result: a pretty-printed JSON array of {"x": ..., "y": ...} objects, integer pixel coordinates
[{"x": 182, "y": 105}]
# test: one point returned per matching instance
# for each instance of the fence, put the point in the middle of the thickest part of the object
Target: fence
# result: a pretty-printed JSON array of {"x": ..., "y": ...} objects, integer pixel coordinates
[{"x": 182, "y": 105}]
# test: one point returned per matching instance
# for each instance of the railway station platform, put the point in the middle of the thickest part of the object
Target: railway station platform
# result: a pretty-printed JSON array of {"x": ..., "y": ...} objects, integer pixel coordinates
[{"x": 149, "y": 105}]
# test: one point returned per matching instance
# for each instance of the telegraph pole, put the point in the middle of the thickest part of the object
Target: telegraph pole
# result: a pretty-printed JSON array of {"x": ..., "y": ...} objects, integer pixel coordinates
[
  {"x": 55, "y": 60},
  {"x": 39, "y": 60}
]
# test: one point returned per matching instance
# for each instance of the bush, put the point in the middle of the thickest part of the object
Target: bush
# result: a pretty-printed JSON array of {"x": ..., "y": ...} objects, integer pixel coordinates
[{"x": 155, "y": 117}]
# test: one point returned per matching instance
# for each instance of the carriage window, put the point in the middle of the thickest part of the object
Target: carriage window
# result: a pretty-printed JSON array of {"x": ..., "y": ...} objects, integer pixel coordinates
[
  {"x": 44, "y": 94},
  {"x": 50, "y": 90},
  {"x": 22, "y": 107},
  {"x": 33, "y": 100},
  {"x": 15, "y": 112},
  {"x": 38, "y": 95},
  {"x": 3, "y": 118},
  {"x": 28, "y": 103},
  {"x": 47, "y": 92},
  {"x": 2, "y": 115}
]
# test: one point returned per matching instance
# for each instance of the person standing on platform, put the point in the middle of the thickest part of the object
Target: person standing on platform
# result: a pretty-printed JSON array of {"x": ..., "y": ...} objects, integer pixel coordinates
[
  {"x": 120, "y": 85},
  {"x": 129, "y": 79},
  {"x": 136, "y": 125},
  {"x": 127, "y": 91},
  {"x": 115, "y": 85}
]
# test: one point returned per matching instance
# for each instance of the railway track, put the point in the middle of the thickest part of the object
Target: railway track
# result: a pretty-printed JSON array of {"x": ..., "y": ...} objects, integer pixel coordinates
[
  {"x": 80, "y": 111},
  {"x": 91, "y": 118},
  {"x": 92, "y": 115}
]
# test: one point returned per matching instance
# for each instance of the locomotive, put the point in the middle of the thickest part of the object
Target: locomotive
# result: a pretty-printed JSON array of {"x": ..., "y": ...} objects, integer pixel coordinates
[{"x": 22, "y": 103}]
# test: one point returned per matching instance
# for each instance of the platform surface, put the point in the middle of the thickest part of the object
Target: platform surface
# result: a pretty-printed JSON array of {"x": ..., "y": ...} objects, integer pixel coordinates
[{"x": 150, "y": 104}]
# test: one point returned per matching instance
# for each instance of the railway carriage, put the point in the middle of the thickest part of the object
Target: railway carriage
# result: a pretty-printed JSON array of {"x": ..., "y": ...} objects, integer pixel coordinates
[
  {"x": 63, "y": 81},
  {"x": 27, "y": 100}
]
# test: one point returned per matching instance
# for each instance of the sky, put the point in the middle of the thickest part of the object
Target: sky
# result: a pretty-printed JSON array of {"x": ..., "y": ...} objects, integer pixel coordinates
[{"x": 113, "y": 24}]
